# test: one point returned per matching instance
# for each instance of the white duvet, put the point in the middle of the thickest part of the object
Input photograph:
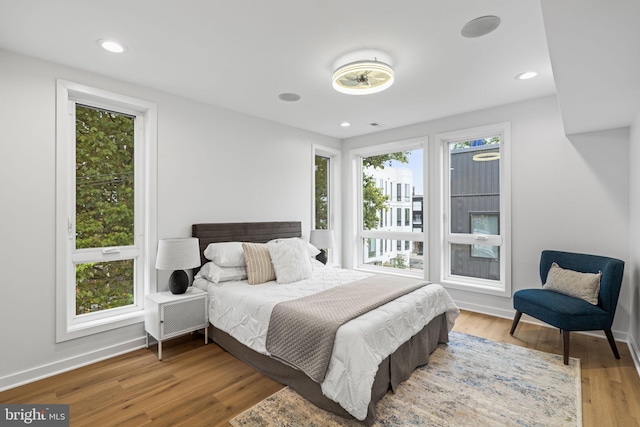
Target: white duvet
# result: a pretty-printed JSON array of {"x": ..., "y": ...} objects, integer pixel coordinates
[{"x": 243, "y": 311}]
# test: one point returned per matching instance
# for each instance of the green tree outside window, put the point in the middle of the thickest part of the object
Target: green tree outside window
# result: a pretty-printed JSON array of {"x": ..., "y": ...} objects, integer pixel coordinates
[{"x": 104, "y": 206}]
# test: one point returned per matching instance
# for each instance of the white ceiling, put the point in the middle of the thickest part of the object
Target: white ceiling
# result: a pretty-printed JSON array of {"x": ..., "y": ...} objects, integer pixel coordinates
[{"x": 242, "y": 54}]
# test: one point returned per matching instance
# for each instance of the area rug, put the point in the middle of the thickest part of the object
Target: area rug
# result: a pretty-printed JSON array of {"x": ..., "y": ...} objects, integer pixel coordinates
[{"x": 470, "y": 381}]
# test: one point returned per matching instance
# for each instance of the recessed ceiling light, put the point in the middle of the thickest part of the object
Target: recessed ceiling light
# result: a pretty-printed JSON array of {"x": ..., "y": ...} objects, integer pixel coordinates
[
  {"x": 526, "y": 75},
  {"x": 111, "y": 46},
  {"x": 480, "y": 26},
  {"x": 345, "y": 124},
  {"x": 289, "y": 97}
]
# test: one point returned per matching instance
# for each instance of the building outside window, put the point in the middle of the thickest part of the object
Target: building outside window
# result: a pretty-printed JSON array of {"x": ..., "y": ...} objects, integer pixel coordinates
[
  {"x": 396, "y": 169},
  {"x": 471, "y": 195},
  {"x": 476, "y": 209}
]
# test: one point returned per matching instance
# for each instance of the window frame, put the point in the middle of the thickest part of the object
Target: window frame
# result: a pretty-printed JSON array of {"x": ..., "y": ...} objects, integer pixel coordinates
[
  {"x": 500, "y": 287},
  {"x": 68, "y": 324},
  {"x": 356, "y": 156}
]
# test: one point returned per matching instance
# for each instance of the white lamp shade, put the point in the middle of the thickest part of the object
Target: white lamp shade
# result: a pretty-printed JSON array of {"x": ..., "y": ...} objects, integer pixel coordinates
[
  {"x": 322, "y": 239},
  {"x": 178, "y": 253}
]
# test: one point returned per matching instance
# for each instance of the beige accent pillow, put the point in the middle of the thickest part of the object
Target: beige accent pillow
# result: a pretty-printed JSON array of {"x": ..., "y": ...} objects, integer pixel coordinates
[
  {"x": 574, "y": 283},
  {"x": 259, "y": 267}
]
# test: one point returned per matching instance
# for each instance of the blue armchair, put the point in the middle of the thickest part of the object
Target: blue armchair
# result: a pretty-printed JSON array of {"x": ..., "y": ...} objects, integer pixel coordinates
[{"x": 569, "y": 313}]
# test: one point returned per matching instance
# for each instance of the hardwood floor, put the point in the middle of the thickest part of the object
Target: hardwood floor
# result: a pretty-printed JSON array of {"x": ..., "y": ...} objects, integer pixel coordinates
[{"x": 198, "y": 385}]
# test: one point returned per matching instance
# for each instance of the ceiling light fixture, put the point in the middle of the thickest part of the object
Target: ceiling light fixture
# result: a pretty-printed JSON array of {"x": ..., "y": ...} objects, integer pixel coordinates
[
  {"x": 345, "y": 124},
  {"x": 526, "y": 75},
  {"x": 111, "y": 46},
  {"x": 363, "y": 77},
  {"x": 480, "y": 26}
]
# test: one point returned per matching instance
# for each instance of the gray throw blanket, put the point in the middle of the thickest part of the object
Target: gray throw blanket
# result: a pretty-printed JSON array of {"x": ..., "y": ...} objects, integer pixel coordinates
[{"x": 302, "y": 331}]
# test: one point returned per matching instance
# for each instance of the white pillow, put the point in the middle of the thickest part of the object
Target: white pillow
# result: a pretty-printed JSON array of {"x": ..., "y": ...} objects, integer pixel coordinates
[
  {"x": 290, "y": 259},
  {"x": 225, "y": 254},
  {"x": 216, "y": 274},
  {"x": 313, "y": 251}
]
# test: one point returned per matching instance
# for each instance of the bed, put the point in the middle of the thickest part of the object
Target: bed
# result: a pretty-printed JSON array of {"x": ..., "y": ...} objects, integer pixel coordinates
[{"x": 393, "y": 345}]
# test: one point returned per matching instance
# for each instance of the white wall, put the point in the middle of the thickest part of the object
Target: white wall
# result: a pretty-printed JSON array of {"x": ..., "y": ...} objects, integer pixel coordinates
[
  {"x": 214, "y": 165},
  {"x": 566, "y": 194},
  {"x": 633, "y": 267}
]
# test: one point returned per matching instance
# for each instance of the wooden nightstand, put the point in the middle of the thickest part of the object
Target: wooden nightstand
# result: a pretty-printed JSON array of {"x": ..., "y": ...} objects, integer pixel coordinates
[{"x": 168, "y": 315}]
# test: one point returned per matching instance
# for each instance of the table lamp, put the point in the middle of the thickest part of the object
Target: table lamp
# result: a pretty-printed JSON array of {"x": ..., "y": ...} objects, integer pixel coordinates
[
  {"x": 322, "y": 239},
  {"x": 178, "y": 254}
]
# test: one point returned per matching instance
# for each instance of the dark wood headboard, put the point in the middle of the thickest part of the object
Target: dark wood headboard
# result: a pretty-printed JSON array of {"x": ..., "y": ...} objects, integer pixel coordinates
[{"x": 259, "y": 232}]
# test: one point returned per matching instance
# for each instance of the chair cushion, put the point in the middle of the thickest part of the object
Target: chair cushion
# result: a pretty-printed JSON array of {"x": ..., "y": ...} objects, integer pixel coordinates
[
  {"x": 562, "y": 311},
  {"x": 574, "y": 283}
]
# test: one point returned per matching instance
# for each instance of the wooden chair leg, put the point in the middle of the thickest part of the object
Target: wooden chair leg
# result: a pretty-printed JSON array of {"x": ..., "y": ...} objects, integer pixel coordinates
[
  {"x": 565, "y": 346},
  {"x": 516, "y": 319},
  {"x": 612, "y": 343}
]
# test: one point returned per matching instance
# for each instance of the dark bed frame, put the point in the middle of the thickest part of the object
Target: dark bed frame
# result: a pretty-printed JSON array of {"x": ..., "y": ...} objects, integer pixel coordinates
[{"x": 391, "y": 371}]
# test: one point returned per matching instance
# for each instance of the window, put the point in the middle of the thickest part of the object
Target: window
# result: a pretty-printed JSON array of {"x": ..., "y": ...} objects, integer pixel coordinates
[
  {"x": 400, "y": 164},
  {"x": 105, "y": 227},
  {"x": 105, "y": 145},
  {"x": 322, "y": 168},
  {"x": 476, "y": 209},
  {"x": 407, "y": 193},
  {"x": 326, "y": 198}
]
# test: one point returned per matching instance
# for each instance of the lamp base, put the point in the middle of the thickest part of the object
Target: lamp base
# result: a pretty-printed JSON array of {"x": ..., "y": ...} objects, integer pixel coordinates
[
  {"x": 322, "y": 256},
  {"x": 178, "y": 282}
]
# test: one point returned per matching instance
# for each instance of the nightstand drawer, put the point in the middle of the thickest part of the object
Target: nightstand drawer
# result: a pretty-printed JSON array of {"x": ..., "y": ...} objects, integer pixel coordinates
[{"x": 181, "y": 317}]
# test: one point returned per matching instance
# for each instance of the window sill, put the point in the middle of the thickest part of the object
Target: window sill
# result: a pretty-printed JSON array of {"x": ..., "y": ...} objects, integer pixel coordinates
[
  {"x": 476, "y": 287},
  {"x": 96, "y": 326},
  {"x": 403, "y": 273}
]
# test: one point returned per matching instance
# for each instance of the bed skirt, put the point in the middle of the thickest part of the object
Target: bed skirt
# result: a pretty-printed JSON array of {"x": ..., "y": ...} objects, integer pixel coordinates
[{"x": 392, "y": 371}]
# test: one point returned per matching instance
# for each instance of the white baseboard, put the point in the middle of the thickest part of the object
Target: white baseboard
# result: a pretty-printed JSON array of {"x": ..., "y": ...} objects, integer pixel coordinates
[
  {"x": 58, "y": 367},
  {"x": 483, "y": 309},
  {"x": 635, "y": 353}
]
